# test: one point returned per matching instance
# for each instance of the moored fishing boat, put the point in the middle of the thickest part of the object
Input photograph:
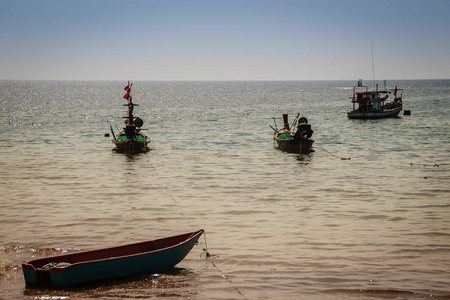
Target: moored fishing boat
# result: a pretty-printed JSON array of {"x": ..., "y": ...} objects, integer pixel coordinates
[
  {"x": 63, "y": 271},
  {"x": 296, "y": 138},
  {"x": 375, "y": 104},
  {"x": 132, "y": 139}
]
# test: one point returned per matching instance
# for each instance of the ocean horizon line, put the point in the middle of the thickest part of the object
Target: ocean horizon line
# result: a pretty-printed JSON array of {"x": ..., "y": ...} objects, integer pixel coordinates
[{"x": 268, "y": 80}]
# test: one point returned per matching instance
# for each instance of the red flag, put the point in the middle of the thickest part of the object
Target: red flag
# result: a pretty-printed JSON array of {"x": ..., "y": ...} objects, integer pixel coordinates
[
  {"x": 127, "y": 88},
  {"x": 126, "y": 96}
]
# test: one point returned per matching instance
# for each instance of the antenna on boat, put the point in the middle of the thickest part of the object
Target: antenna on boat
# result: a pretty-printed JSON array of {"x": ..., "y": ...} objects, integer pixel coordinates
[
  {"x": 373, "y": 70},
  {"x": 112, "y": 131},
  {"x": 275, "y": 124}
]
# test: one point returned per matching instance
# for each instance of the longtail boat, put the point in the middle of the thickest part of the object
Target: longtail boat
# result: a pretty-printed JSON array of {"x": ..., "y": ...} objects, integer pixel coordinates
[
  {"x": 296, "y": 138},
  {"x": 63, "y": 271},
  {"x": 132, "y": 139},
  {"x": 375, "y": 104}
]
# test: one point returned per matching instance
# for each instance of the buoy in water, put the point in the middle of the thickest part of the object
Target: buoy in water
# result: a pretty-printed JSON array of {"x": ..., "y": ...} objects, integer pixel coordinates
[
  {"x": 407, "y": 113},
  {"x": 106, "y": 134}
]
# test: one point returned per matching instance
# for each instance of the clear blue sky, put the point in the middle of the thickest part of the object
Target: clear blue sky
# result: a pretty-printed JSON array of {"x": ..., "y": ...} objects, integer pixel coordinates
[{"x": 224, "y": 39}]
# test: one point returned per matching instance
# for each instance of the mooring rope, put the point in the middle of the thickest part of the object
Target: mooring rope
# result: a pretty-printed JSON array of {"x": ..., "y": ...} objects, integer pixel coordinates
[
  {"x": 205, "y": 249},
  {"x": 342, "y": 158},
  {"x": 211, "y": 259},
  {"x": 167, "y": 190},
  {"x": 208, "y": 256}
]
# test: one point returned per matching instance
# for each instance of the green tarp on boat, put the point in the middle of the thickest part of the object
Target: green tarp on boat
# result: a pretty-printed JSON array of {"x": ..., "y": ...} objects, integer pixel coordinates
[
  {"x": 139, "y": 138},
  {"x": 285, "y": 136}
]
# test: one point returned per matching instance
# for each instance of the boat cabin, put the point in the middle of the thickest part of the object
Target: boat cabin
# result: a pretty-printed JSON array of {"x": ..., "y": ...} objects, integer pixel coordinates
[{"x": 369, "y": 101}]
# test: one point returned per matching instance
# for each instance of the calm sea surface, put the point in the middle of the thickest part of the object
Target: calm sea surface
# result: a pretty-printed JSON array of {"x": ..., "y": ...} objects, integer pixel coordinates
[{"x": 281, "y": 225}]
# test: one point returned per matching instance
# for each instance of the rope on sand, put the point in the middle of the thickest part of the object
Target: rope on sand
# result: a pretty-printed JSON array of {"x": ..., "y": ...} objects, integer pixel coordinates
[
  {"x": 210, "y": 258},
  {"x": 436, "y": 165}
]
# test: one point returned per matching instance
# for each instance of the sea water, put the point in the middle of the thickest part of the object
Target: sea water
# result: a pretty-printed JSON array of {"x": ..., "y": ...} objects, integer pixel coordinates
[{"x": 365, "y": 214}]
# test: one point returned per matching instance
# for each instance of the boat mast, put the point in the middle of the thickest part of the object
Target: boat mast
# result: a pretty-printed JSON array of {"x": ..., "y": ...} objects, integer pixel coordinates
[
  {"x": 130, "y": 128},
  {"x": 130, "y": 103},
  {"x": 373, "y": 70}
]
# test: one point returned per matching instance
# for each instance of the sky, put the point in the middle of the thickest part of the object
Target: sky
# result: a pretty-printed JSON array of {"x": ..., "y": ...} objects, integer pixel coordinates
[{"x": 224, "y": 40}]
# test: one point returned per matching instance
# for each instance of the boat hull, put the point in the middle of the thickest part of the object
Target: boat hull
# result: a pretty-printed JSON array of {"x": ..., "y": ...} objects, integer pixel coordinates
[
  {"x": 116, "y": 262},
  {"x": 375, "y": 115},
  {"x": 300, "y": 146},
  {"x": 131, "y": 146}
]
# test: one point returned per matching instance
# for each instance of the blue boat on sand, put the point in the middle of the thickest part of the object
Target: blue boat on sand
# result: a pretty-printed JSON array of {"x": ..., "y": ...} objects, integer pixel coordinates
[{"x": 74, "y": 269}]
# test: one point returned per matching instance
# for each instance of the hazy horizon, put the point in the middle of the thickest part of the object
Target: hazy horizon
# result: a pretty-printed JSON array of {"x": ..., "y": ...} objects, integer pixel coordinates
[{"x": 267, "y": 40}]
